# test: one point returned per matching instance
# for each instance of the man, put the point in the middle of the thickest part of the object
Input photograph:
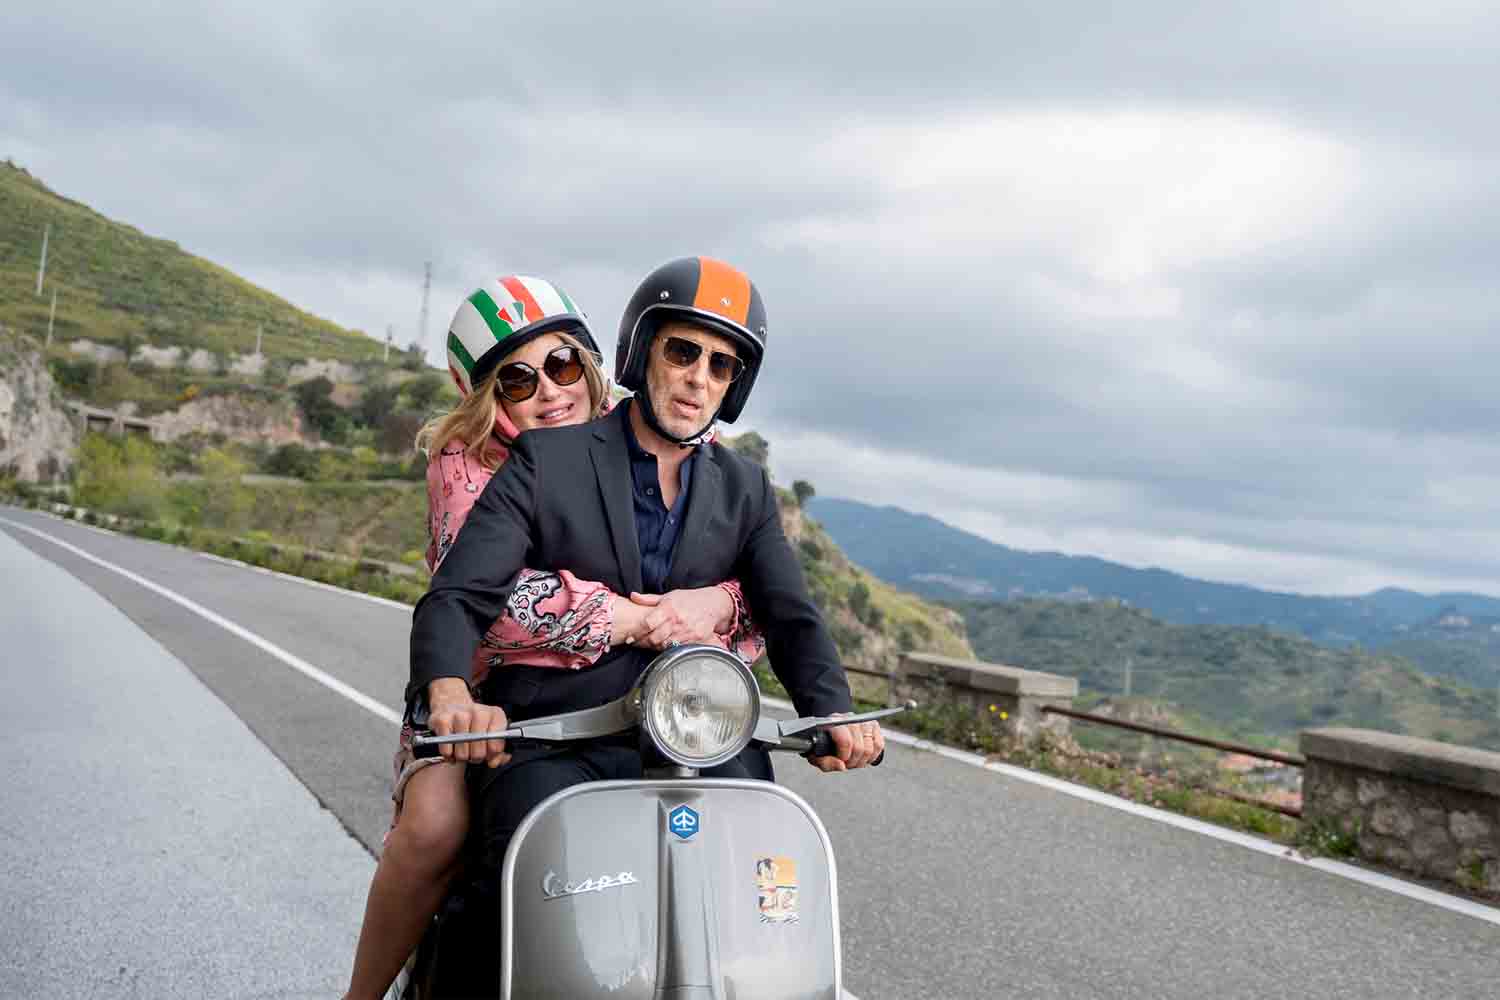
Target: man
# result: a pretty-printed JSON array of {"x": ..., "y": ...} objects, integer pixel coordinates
[{"x": 638, "y": 501}]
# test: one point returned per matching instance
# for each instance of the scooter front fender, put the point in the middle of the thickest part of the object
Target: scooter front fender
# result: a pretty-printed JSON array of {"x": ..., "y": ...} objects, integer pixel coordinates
[{"x": 683, "y": 888}]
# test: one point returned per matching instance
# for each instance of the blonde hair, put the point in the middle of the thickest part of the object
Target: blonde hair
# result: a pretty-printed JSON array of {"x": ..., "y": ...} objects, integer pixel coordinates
[{"x": 472, "y": 421}]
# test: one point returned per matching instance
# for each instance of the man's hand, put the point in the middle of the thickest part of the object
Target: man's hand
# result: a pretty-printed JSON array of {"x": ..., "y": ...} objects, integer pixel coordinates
[
  {"x": 682, "y": 616},
  {"x": 854, "y": 746},
  {"x": 453, "y": 710}
]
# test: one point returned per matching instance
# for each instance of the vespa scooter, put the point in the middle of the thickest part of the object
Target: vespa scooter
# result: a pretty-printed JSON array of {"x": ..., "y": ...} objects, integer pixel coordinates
[{"x": 673, "y": 886}]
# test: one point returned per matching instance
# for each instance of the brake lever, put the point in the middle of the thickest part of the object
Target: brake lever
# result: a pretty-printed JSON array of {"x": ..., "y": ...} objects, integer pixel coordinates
[{"x": 796, "y": 727}]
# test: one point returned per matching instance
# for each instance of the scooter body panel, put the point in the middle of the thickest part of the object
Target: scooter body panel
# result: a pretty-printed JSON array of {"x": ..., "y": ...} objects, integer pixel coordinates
[{"x": 685, "y": 888}]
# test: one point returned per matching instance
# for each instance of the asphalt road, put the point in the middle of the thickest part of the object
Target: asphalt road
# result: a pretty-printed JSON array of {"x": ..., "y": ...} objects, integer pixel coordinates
[{"x": 955, "y": 881}]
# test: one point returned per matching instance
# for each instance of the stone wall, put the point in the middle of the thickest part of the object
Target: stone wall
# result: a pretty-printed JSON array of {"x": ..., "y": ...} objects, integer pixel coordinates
[
  {"x": 100, "y": 353},
  {"x": 333, "y": 371},
  {"x": 157, "y": 357},
  {"x": 1007, "y": 699},
  {"x": 1417, "y": 805}
]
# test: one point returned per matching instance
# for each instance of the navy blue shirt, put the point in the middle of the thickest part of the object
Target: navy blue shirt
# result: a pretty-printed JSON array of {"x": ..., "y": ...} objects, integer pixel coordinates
[{"x": 656, "y": 527}]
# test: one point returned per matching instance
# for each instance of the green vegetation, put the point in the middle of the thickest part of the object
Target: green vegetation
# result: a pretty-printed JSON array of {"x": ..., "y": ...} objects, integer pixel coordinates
[
  {"x": 1249, "y": 684},
  {"x": 1471, "y": 656},
  {"x": 131, "y": 477},
  {"x": 1190, "y": 793},
  {"x": 120, "y": 287},
  {"x": 1326, "y": 839},
  {"x": 872, "y": 622}
]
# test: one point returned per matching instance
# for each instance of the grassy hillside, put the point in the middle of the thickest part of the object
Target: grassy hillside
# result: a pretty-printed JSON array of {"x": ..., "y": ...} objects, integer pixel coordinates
[
  {"x": 117, "y": 284},
  {"x": 1251, "y": 682},
  {"x": 871, "y": 621}
]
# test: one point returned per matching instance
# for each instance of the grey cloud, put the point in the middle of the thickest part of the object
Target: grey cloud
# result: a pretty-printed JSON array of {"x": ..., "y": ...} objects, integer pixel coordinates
[{"x": 335, "y": 151}]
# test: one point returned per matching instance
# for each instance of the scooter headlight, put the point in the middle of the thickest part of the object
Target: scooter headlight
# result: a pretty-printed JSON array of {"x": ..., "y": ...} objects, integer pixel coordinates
[{"x": 700, "y": 704}]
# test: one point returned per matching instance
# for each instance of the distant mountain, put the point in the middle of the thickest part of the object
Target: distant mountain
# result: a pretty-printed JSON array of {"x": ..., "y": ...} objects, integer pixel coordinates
[
  {"x": 922, "y": 554},
  {"x": 1249, "y": 683}
]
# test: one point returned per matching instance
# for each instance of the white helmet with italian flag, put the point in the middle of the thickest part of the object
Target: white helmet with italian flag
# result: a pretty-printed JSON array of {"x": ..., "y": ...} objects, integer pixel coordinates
[{"x": 504, "y": 314}]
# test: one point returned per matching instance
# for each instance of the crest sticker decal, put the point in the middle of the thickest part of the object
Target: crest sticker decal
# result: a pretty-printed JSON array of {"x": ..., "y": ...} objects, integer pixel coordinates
[{"x": 776, "y": 889}]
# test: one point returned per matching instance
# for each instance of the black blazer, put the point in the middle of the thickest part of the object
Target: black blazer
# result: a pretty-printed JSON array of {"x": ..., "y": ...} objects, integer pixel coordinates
[{"x": 563, "y": 500}]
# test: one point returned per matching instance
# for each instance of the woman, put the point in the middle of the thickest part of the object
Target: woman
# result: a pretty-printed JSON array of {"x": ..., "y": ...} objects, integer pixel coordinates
[{"x": 523, "y": 358}]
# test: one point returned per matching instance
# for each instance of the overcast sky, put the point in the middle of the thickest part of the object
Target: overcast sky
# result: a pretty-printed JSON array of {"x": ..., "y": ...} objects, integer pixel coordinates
[{"x": 1205, "y": 287}]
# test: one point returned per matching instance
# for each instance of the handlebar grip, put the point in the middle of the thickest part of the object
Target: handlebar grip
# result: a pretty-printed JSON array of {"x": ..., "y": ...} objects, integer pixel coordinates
[{"x": 822, "y": 746}]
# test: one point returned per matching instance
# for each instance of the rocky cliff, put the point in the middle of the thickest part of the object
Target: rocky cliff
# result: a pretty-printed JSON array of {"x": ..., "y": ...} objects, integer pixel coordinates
[
  {"x": 244, "y": 417},
  {"x": 37, "y": 434}
]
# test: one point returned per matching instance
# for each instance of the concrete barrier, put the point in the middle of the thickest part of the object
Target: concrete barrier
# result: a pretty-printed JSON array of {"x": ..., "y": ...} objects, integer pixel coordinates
[
  {"x": 1418, "y": 805},
  {"x": 1007, "y": 698}
]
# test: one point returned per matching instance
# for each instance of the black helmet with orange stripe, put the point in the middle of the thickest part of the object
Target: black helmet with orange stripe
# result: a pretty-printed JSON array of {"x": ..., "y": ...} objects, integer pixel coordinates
[{"x": 707, "y": 293}]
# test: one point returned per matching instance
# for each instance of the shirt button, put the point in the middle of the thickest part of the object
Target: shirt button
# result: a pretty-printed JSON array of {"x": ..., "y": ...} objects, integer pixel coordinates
[{"x": 651, "y": 491}]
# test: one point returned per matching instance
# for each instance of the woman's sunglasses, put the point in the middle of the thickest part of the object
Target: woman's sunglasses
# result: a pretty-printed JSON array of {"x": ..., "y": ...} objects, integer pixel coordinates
[
  {"x": 518, "y": 381},
  {"x": 684, "y": 353}
]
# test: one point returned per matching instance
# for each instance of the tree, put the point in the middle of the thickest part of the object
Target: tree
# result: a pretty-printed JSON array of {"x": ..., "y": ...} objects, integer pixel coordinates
[
  {"x": 275, "y": 373},
  {"x": 121, "y": 476},
  {"x": 315, "y": 399},
  {"x": 423, "y": 392},
  {"x": 804, "y": 491},
  {"x": 292, "y": 460},
  {"x": 377, "y": 401},
  {"x": 398, "y": 432},
  {"x": 413, "y": 359},
  {"x": 752, "y": 446},
  {"x": 225, "y": 502}
]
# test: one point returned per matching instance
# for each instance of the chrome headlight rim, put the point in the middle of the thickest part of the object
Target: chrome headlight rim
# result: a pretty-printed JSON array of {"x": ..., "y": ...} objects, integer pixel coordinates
[{"x": 650, "y": 684}]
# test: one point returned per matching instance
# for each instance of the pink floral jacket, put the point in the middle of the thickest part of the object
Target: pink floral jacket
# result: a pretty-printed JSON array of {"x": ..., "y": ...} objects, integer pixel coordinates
[{"x": 552, "y": 619}]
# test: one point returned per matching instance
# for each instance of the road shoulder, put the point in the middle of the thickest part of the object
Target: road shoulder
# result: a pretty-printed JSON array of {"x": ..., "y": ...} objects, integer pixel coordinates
[{"x": 158, "y": 848}]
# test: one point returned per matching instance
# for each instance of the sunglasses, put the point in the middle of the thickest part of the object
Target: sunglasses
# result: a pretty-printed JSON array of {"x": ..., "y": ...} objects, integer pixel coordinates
[
  {"x": 518, "y": 381},
  {"x": 683, "y": 353}
]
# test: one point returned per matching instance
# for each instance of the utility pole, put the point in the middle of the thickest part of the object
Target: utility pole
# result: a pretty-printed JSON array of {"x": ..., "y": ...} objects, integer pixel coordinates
[
  {"x": 41, "y": 270},
  {"x": 51, "y": 316},
  {"x": 390, "y": 332},
  {"x": 426, "y": 293},
  {"x": 1128, "y": 665}
]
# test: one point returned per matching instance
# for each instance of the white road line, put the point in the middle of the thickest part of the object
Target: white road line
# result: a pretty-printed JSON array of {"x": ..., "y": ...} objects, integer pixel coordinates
[
  {"x": 1376, "y": 880},
  {"x": 212, "y": 557},
  {"x": 1410, "y": 890},
  {"x": 295, "y": 662}
]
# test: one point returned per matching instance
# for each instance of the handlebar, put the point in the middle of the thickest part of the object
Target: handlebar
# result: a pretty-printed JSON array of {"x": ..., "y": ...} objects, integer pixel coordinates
[
  {"x": 819, "y": 744},
  {"x": 806, "y": 736}
]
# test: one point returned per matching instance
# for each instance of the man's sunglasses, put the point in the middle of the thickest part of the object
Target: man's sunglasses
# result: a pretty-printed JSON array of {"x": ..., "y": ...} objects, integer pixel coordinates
[
  {"x": 684, "y": 353},
  {"x": 518, "y": 381}
]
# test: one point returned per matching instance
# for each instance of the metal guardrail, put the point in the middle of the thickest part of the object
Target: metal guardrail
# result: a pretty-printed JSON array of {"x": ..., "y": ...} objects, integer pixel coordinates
[
  {"x": 1292, "y": 759},
  {"x": 1289, "y": 759}
]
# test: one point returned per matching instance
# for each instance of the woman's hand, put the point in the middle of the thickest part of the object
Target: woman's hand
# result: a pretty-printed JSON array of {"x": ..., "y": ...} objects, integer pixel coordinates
[
  {"x": 629, "y": 621},
  {"x": 698, "y": 615}
]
